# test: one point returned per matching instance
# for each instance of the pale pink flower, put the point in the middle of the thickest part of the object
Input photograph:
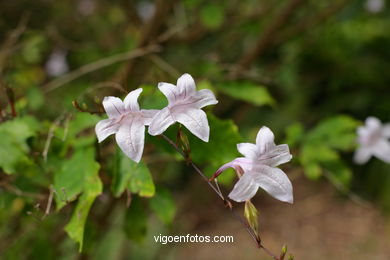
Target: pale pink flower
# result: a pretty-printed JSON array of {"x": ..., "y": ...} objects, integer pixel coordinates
[
  {"x": 184, "y": 106},
  {"x": 127, "y": 121}
]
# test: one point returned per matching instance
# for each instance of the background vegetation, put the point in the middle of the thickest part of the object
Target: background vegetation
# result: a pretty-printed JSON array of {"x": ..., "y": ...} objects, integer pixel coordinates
[{"x": 310, "y": 70}]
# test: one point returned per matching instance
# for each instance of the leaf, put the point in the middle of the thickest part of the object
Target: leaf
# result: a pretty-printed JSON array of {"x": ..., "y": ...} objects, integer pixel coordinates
[
  {"x": 212, "y": 16},
  {"x": 80, "y": 122},
  {"x": 163, "y": 205},
  {"x": 135, "y": 225},
  {"x": 312, "y": 156},
  {"x": 136, "y": 177},
  {"x": 246, "y": 91},
  {"x": 312, "y": 170},
  {"x": 14, "y": 149},
  {"x": 92, "y": 187},
  {"x": 141, "y": 181},
  {"x": 294, "y": 134},
  {"x": 73, "y": 177}
]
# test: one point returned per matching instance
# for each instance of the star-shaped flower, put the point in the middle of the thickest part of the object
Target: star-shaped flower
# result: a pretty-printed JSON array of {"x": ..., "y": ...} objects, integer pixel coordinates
[
  {"x": 127, "y": 121},
  {"x": 258, "y": 169},
  {"x": 184, "y": 106},
  {"x": 373, "y": 139}
]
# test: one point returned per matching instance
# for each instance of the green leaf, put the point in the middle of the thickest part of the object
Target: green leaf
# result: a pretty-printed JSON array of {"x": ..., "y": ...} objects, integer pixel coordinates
[
  {"x": 312, "y": 156},
  {"x": 14, "y": 149},
  {"x": 74, "y": 175},
  {"x": 212, "y": 16},
  {"x": 337, "y": 132},
  {"x": 141, "y": 181},
  {"x": 246, "y": 91},
  {"x": 163, "y": 205},
  {"x": 312, "y": 170},
  {"x": 339, "y": 172},
  {"x": 92, "y": 187},
  {"x": 135, "y": 225},
  {"x": 294, "y": 134},
  {"x": 81, "y": 122},
  {"x": 136, "y": 177}
]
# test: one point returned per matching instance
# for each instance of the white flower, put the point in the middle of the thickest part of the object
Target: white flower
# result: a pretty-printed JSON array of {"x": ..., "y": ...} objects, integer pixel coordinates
[
  {"x": 373, "y": 141},
  {"x": 127, "y": 122},
  {"x": 184, "y": 106},
  {"x": 258, "y": 169},
  {"x": 57, "y": 64}
]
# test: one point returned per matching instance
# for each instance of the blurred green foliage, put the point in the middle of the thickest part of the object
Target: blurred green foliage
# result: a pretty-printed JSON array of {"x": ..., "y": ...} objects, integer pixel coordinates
[{"x": 311, "y": 72}]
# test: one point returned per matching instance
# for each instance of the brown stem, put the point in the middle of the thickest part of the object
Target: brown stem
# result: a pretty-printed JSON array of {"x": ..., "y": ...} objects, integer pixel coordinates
[
  {"x": 267, "y": 36},
  {"x": 227, "y": 203}
]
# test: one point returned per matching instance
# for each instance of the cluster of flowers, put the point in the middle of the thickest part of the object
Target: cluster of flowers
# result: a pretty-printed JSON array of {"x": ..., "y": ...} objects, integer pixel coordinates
[{"x": 257, "y": 169}]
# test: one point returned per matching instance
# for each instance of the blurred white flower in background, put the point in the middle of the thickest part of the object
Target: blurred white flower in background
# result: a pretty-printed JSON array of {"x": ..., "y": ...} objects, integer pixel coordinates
[
  {"x": 375, "y": 6},
  {"x": 146, "y": 9},
  {"x": 373, "y": 139},
  {"x": 57, "y": 64}
]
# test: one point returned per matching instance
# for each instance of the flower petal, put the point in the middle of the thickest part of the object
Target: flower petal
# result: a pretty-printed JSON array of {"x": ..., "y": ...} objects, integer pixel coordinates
[
  {"x": 170, "y": 91},
  {"x": 204, "y": 97},
  {"x": 248, "y": 150},
  {"x": 148, "y": 114},
  {"x": 131, "y": 136},
  {"x": 244, "y": 189},
  {"x": 275, "y": 156},
  {"x": 196, "y": 121},
  {"x": 265, "y": 139},
  {"x": 131, "y": 100},
  {"x": 161, "y": 121},
  {"x": 274, "y": 181},
  {"x": 244, "y": 163},
  {"x": 105, "y": 128},
  {"x": 381, "y": 150},
  {"x": 186, "y": 85},
  {"x": 362, "y": 155},
  {"x": 373, "y": 122},
  {"x": 114, "y": 106}
]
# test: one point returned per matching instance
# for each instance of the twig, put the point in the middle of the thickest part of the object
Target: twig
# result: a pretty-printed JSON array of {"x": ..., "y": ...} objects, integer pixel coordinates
[
  {"x": 193, "y": 165},
  {"x": 164, "y": 65},
  {"x": 50, "y": 136},
  {"x": 313, "y": 20},
  {"x": 19, "y": 192},
  {"x": 12, "y": 38},
  {"x": 135, "y": 69},
  {"x": 49, "y": 203},
  {"x": 56, "y": 83}
]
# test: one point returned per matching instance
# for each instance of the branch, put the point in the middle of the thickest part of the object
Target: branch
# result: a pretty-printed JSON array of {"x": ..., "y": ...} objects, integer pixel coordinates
[
  {"x": 313, "y": 20},
  {"x": 226, "y": 202}
]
